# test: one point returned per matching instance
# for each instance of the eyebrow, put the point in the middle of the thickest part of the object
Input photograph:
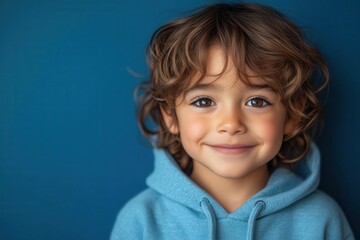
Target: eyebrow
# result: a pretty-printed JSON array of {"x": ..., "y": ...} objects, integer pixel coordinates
[
  {"x": 260, "y": 86},
  {"x": 211, "y": 86},
  {"x": 203, "y": 86}
]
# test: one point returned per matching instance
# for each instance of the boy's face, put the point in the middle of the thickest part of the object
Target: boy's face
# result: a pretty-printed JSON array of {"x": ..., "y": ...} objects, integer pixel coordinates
[{"x": 229, "y": 129}]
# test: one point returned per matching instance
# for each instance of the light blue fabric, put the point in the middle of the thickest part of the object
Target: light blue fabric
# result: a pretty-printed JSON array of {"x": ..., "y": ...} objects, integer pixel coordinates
[{"x": 289, "y": 207}]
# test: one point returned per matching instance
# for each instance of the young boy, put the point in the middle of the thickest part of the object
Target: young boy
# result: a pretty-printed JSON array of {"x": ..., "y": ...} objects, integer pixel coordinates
[{"x": 233, "y": 93}]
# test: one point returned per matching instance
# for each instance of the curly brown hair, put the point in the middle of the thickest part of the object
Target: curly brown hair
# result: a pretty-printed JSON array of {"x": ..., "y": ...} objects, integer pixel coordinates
[{"x": 255, "y": 37}]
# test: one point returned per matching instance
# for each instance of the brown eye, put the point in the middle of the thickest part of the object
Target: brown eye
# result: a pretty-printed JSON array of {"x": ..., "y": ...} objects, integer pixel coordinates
[
  {"x": 257, "y": 103},
  {"x": 203, "y": 103}
]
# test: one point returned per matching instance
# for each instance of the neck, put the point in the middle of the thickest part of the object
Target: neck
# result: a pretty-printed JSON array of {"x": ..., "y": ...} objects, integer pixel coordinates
[{"x": 231, "y": 193}]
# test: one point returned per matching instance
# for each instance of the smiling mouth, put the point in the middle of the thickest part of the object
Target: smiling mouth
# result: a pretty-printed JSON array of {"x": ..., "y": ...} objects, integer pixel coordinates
[{"x": 231, "y": 149}]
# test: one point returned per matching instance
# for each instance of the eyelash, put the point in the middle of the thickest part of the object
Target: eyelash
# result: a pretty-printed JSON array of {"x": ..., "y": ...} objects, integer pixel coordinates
[
  {"x": 199, "y": 102},
  {"x": 265, "y": 103}
]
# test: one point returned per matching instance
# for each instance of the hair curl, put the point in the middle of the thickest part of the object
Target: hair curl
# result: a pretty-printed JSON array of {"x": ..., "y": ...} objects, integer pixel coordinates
[{"x": 255, "y": 37}]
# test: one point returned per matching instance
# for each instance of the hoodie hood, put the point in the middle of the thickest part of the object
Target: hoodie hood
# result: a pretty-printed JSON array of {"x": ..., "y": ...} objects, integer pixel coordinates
[{"x": 284, "y": 187}]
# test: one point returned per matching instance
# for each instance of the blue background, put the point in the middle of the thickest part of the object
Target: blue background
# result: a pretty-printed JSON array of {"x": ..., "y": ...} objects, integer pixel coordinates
[{"x": 70, "y": 151}]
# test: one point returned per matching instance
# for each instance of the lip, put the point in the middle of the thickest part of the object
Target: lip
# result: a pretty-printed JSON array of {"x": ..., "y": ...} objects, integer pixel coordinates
[{"x": 231, "y": 148}]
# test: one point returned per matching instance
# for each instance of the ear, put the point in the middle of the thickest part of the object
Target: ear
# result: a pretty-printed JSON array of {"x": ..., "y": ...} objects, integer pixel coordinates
[{"x": 169, "y": 121}]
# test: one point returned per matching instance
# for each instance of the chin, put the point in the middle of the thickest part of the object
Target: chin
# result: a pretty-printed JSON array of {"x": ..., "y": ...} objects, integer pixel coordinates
[{"x": 231, "y": 174}]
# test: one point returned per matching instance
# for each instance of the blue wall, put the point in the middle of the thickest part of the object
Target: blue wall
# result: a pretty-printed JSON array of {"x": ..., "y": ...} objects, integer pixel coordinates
[{"x": 70, "y": 150}]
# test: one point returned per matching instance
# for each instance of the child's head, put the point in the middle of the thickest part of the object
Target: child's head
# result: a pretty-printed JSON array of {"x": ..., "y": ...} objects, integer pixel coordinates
[{"x": 257, "y": 42}]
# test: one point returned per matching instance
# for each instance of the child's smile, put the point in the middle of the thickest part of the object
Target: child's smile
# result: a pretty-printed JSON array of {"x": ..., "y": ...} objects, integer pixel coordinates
[{"x": 231, "y": 148}]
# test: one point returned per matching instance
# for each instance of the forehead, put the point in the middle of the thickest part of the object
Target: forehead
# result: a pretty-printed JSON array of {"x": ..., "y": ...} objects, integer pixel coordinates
[
  {"x": 219, "y": 66},
  {"x": 217, "y": 62}
]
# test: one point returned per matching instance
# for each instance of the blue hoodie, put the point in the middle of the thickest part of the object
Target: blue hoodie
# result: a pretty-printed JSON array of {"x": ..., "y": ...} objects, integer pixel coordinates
[{"x": 289, "y": 207}]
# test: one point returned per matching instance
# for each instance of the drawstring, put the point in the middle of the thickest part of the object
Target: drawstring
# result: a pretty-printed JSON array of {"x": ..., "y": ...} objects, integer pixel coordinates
[
  {"x": 210, "y": 215},
  {"x": 258, "y": 207}
]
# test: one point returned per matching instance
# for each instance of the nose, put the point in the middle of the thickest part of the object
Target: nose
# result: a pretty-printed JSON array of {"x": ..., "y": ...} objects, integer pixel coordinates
[{"x": 231, "y": 121}]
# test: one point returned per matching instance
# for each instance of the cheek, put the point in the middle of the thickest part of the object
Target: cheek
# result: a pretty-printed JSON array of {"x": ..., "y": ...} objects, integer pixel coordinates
[
  {"x": 271, "y": 129},
  {"x": 192, "y": 129}
]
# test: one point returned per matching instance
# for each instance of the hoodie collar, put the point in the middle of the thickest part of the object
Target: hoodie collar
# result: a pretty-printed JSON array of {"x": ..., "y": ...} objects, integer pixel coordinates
[{"x": 283, "y": 188}]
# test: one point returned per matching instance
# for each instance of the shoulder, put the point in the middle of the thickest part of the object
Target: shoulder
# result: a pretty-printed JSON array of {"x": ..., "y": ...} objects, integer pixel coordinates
[
  {"x": 319, "y": 199},
  {"x": 140, "y": 203},
  {"x": 134, "y": 215},
  {"x": 320, "y": 203},
  {"x": 323, "y": 210}
]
